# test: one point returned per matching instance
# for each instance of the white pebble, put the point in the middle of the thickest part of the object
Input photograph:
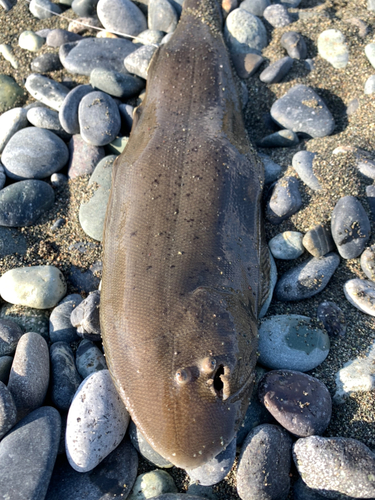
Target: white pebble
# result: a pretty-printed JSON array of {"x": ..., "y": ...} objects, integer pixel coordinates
[{"x": 333, "y": 48}]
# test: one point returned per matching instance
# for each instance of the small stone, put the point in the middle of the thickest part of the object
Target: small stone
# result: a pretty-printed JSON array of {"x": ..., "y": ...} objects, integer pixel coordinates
[
  {"x": 316, "y": 459},
  {"x": 47, "y": 119},
  {"x": 80, "y": 25},
  {"x": 149, "y": 37},
  {"x": 370, "y": 193},
  {"x": 29, "y": 376},
  {"x": 264, "y": 464},
  {"x": 44, "y": 9},
  {"x": 370, "y": 85},
  {"x": 45, "y": 63},
  {"x": 370, "y": 53},
  {"x": 139, "y": 61},
  {"x": 361, "y": 293},
  {"x": 244, "y": 32},
  {"x": 287, "y": 245},
  {"x": 10, "y": 334},
  {"x": 5, "y": 366},
  {"x": 302, "y": 163},
  {"x": 152, "y": 484},
  {"x": 58, "y": 180},
  {"x": 199, "y": 491},
  {"x": 90, "y": 434},
  {"x": 8, "y": 410},
  {"x": 60, "y": 326},
  {"x": 2, "y": 178},
  {"x": 162, "y": 16},
  {"x": 68, "y": 114},
  {"x": 318, "y": 241},
  {"x": 45, "y": 90},
  {"x": 332, "y": 317},
  {"x": 289, "y": 341},
  {"x": 280, "y": 139},
  {"x": 7, "y": 52},
  {"x": 357, "y": 375},
  {"x": 84, "y": 157},
  {"x": 294, "y": 44},
  {"x": 89, "y": 359},
  {"x": 85, "y": 317},
  {"x": 246, "y": 64},
  {"x": 58, "y": 37},
  {"x": 361, "y": 25},
  {"x": 333, "y": 47},
  {"x": 276, "y": 71},
  {"x": 285, "y": 200},
  {"x": 29, "y": 319},
  {"x": 368, "y": 262},
  {"x": 11, "y": 122},
  {"x": 116, "y": 84},
  {"x": 85, "y": 280},
  {"x": 255, "y": 7},
  {"x": 122, "y": 16},
  {"x": 145, "y": 449},
  {"x": 352, "y": 107},
  {"x": 65, "y": 379},
  {"x": 277, "y": 15},
  {"x": 57, "y": 225},
  {"x": 29, "y": 40},
  {"x": 299, "y": 402},
  {"x": 272, "y": 170},
  {"x": 35, "y": 286},
  {"x": 10, "y": 93},
  {"x": 117, "y": 146}
]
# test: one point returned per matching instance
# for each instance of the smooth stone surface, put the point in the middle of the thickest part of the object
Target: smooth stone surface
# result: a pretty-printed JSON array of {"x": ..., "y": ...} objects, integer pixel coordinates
[
  {"x": 200, "y": 492},
  {"x": 22, "y": 203},
  {"x": 68, "y": 114},
  {"x": 370, "y": 85},
  {"x": 333, "y": 48},
  {"x": 368, "y": 262},
  {"x": 357, "y": 375},
  {"x": 162, "y": 16},
  {"x": 122, "y": 16},
  {"x": 99, "y": 118},
  {"x": 5, "y": 366},
  {"x": 302, "y": 492},
  {"x": 83, "y": 157},
  {"x": 65, "y": 379},
  {"x": 300, "y": 403},
  {"x": 45, "y": 90},
  {"x": 277, "y": 15},
  {"x": 29, "y": 40},
  {"x": 58, "y": 37},
  {"x": 45, "y": 63},
  {"x": 302, "y": 163},
  {"x": 89, "y": 359},
  {"x": 2, "y": 176},
  {"x": 285, "y": 200},
  {"x": 361, "y": 293},
  {"x": 294, "y": 44},
  {"x": 8, "y": 54},
  {"x": 318, "y": 241},
  {"x": 149, "y": 37},
  {"x": 276, "y": 71},
  {"x": 280, "y": 139},
  {"x": 287, "y": 245},
  {"x": 307, "y": 279},
  {"x": 152, "y": 484},
  {"x": 11, "y": 122},
  {"x": 29, "y": 375},
  {"x": 302, "y": 110},
  {"x": 47, "y": 119},
  {"x": 350, "y": 227},
  {"x": 264, "y": 464},
  {"x": 317, "y": 459},
  {"x": 116, "y": 84},
  {"x": 244, "y": 32},
  {"x": 92, "y": 213},
  {"x": 370, "y": 53},
  {"x": 85, "y": 317},
  {"x": 28, "y": 454},
  {"x": 255, "y": 7},
  {"x": 370, "y": 194},
  {"x": 29, "y": 319},
  {"x": 8, "y": 410},
  {"x": 246, "y": 64},
  {"x": 85, "y": 280},
  {"x": 332, "y": 317},
  {"x": 44, "y": 9},
  {"x": 60, "y": 326},
  {"x": 364, "y": 162},
  {"x": 58, "y": 180},
  {"x": 106, "y": 53},
  {"x": 85, "y": 7},
  {"x": 10, "y": 93},
  {"x": 272, "y": 170},
  {"x": 117, "y": 146},
  {"x": 139, "y": 61},
  {"x": 34, "y": 153},
  {"x": 10, "y": 333},
  {"x": 90, "y": 435},
  {"x": 145, "y": 449}
]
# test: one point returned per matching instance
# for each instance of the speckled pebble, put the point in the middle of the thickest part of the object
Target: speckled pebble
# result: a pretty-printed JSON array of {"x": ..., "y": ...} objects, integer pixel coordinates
[
  {"x": 285, "y": 200},
  {"x": 116, "y": 84},
  {"x": 29, "y": 319},
  {"x": 47, "y": 119},
  {"x": 29, "y": 40},
  {"x": 332, "y": 46},
  {"x": 361, "y": 293},
  {"x": 272, "y": 170},
  {"x": 8, "y": 410},
  {"x": 122, "y": 16},
  {"x": 280, "y": 139},
  {"x": 152, "y": 484},
  {"x": 10, "y": 333},
  {"x": 60, "y": 326},
  {"x": 68, "y": 113},
  {"x": 89, "y": 359},
  {"x": 145, "y": 449},
  {"x": 302, "y": 492},
  {"x": 277, "y": 15},
  {"x": 318, "y": 241},
  {"x": 289, "y": 341},
  {"x": 65, "y": 379},
  {"x": 149, "y": 37},
  {"x": 302, "y": 163},
  {"x": 332, "y": 317},
  {"x": 139, "y": 61},
  {"x": 162, "y": 16},
  {"x": 244, "y": 32},
  {"x": 294, "y": 44},
  {"x": 45, "y": 90},
  {"x": 287, "y": 245},
  {"x": 45, "y": 63},
  {"x": 90, "y": 435},
  {"x": 83, "y": 157},
  {"x": 276, "y": 71},
  {"x": 11, "y": 122}
]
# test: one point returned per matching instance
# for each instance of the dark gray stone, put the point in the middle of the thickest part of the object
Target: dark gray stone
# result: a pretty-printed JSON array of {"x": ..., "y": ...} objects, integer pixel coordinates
[
  {"x": 122, "y": 16},
  {"x": 332, "y": 317},
  {"x": 89, "y": 359},
  {"x": 116, "y": 84},
  {"x": 272, "y": 170},
  {"x": 85, "y": 317},
  {"x": 303, "y": 492},
  {"x": 8, "y": 410},
  {"x": 60, "y": 326},
  {"x": 45, "y": 63},
  {"x": 294, "y": 44},
  {"x": 255, "y": 7},
  {"x": 302, "y": 163},
  {"x": 246, "y": 64},
  {"x": 5, "y": 366},
  {"x": 48, "y": 119},
  {"x": 65, "y": 379},
  {"x": 318, "y": 241},
  {"x": 68, "y": 113},
  {"x": 145, "y": 449},
  {"x": 58, "y": 37},
  {"x": 162, "y": 16},
  {"x": 58, "y": 180},
  {"x": 85, "y": 8},
  {"x": 85, "y": 280},
  {"x": 285, "y": 200},
  {"x": 10, "y": 333},
  {"x": 126, "y": 113},
  {"x": 280, "y": 139},
  {"x": 12, "y": 242},
  {"x": 83, "y": 157},
  {"x": 276, "y": 71}
]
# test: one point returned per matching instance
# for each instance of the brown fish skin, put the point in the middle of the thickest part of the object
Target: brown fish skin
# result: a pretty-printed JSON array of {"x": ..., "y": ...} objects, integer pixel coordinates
[{"x": 183, "y": 250}]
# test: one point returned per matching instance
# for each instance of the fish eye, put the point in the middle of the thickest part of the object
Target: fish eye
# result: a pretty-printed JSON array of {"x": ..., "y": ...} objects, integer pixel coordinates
[
  {"x": 183, "y": 376},
  {"x": 208, "y": 365}
]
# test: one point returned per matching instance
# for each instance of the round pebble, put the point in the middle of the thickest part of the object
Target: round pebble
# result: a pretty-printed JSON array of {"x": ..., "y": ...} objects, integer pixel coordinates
[
  {"x": 361, "y": 293},
  {"x": 285, "y": 200},
  {"x": 11, "y": 122},
  {"x": 276, "y": 71},
  {"x": 58, "y": 180},
  {"x": 318, "y": 241},
  {"x": 368, "y": 262},
  {"x": 255, "y": 7},
  {"x": 65, "y": 379},
  {"x": 10, "y": 333},
  {"x": 287, "y": 245},
  {"x": 139, "y": 61},
  {"x": 302, "y": 163},
  {"x": 152, "y": 484},
  {"x": 29, "y": 40},
  {"x": 149, "y": 37},
  {"x": 8, "y": 410},
  {"x": 58, "y": 37},
  {"x": 332, "y": 317},
  {"x": 162, "y": 16},
  {"x": 294, "y": 44},
  {"x": 277, "y": 15},
  {"x": 244, "y": 32},
  {"x": 333, "y": 48},
  {"x": 60, "y": 326},
  {"x": 116, "y": 84},
  {"x": 122, "y": 16},
  {"x": 89, "y": 359},
  {"x": 280, "y": 139},
  {"x": 83, "y": 157},
  {"x": 10, "y": 93},
  {"x": 289, "y": 341},
  {"x": 45, "y": 63},
  {"x": 145, "y": 449}
]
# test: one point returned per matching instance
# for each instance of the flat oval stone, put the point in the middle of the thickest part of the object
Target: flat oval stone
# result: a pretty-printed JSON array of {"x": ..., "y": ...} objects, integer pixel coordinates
[
  {"x": 368, "y": 262},
  {"x": 45, "y": 90},
  {"x": 162, "y": 16},
  {"x": 10, "y": 333},
  {"x": 299, "y": 402},
  {"x": 246, "y": 64},
  {"x": 280, "y": 139},
  {"x": 60, "y": 326},
  {"x": 99, "y": 118},
  {"x": 244, "y": 32},
  {"x": 350, "y": 227},
  {"x": 68, "y": 114},
  {"x": 302, "y": 110},
  {"x": 332, "y": 318},
  {"x": 5, "y": 366},
  {"x": 122, "y": 16},
  {"x": 48, "y": 119},
  {"x": 152, "y": 484},
  {"x": 276, "y": 71},
  {"x": 287, "y": 245},
  {"x": 139, "y": 61},
  {"x": 65, "y": 379},
  {"x": 370, "y": 85},
  {"x": 36, "y": 286},
  {"x": 285, "y": 200},
  {"x": 333, "y": 48},
  {"x": 84, "y": 7},
  {"x": 255, "y": 7},
  {"x": 90, "y": 435},
  {"x": 116, "y": 84},
  {"x": 317, "y": 459},
  {"x": 89, "y": 359},
  {"x": 145, "y": 449},
  {"x": 27, "y": 318},
  {"x": 307, "y": 279},
  {"x": 29, "y": 40},
  {"x": 10, "y": 93},
  {"x": 8, "y": 54},
  {"x": 22, "y": 203},
  {"x": 83, "y": 157},
  {"x": 44, "y": 9},
  {"x": 277, "y": 15},
  {"x": 361, "y": 293},
  {"x": 294, "y": 44},
  {"x": 302, "y": 163},
  {"x": 8, "y": 410},
  {"x": 29, "y": 376},
  {"x": 264, "y": 464},
  {"x": 318, "y": 241},
  {"x": 289, "y": 341},
  {"x": 58, "y": 37},
  {"x": 11, "y": 122},
  {"x": 34, "y": 153},
  {"x": 28, "y": 453},
  {"x": 45, "y": 63}
]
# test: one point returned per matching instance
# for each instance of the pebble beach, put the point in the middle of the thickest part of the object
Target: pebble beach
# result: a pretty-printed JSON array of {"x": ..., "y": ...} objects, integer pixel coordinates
[{"x": 306, "y": 74}]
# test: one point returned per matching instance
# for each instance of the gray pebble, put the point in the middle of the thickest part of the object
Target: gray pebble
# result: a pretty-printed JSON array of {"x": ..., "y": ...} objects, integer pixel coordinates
[
  {"x": 285, "y": 200},
  {"x": 199, "y": 491},
  {"x": 116, "y": 84},
  {"x": 58, "y": 37},
  {"x": 28, "y": 318},
  {"x": 276, "y": 71},
  {"x": 255, "y": 7},
  {"x": 68, "y": 113},
  {"x": 294, "y": 44},
  {"x": 368, "y": 262},
  {"x": 57, "y": 225},
  {"x": 152, "y": 484},
  {"x": 332, "y": 317},
  {"x": 352, "y": 107},
  {"x": 280, "y": 139},
  {"x": 370, "y": 53},
  {"x": 8, "y": 410},
  {"x": 2, "y": 177},
  {"x": 246, "y": 64},
  {"x": 302, "y": 163},
  {"x": 287, "y": 245},
  {"x": 48, "y": 119},
  {"x": 318, "y": 241},
  {"x": 5, "y": 366},
  {"x": 145, "y": 449},
  {"x": 149, "y": 37},
  {"x": 44, "y": 9},
  {"x": 302, "y": 492},
  {"x": 60, "y": 326},
  {"x": 58, "y": 180},
  {"x": 271, "y": 287},
  {"x": 85, "y": 317},
  {"x": 83, "y": 157},
  {"x": 370, "y": 85},
  {"x": 332, "y": 47},
  {"x": 45, "y": 63},
  {"x": 244, "y": 32},
  {"x": 370, "y": 194},
  {"x": 10, "y": 333},
  {"x": 272, "y": 170},
  {"x": 162, "y": 16},
  {"x": 361, "y": 293},
  {"x": 126, "y": 113},
  {"x": 139, "y": 61},
  {"x": 85, "y": 280},
  {"x": 85, "y": 8},
  {"x": 277, "y": 15},
  {"x": 7, "y": 52},
  {"x": 11, "y": 122},
  {"x": 65, "y": 379},
  {"x": 89, "y": 359},
  {"x": 122, "y": 16},
  {"x": 45, "y": 90}
]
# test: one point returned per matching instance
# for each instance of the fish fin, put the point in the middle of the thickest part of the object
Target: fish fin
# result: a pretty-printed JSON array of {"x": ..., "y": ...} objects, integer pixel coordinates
[{"x": 265, "y": 268}]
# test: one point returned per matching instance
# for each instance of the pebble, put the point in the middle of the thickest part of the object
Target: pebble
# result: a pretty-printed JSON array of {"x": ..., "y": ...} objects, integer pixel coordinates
[
  {"x": 99, "y": 118},
  {"x": 58, "y": 180},
  {"x": 8, "y": 410},
  {"x": 122, "y": 16},
  {"x": 285, "y": 200},
  {"x": 277, "y": 15},
  {"x": 29, "y": 319},
  {"x": 92, "y": 213},
  {"x": 35, "y": 286},
  {"x": 10, "y": 333},
  {"x": 152, "y": 484},
  {"x": 60, "y": 326},
  {"x": 46, "y": 62},
  {"x": 287, "y": 245},
  {"x": 276, "y": 71},
  {"x": 45, "y": 90},
  {"x": 113, "y": 477},
  {"x": 89, "y": 359},
  {"x": 264, "y": 464},
  {"x": 368, "y": 262},
  {"x": 90, "y": 53},
  {"x": 116, "y": 84},
  {"x": 148, "y": 37},
  {"x": 370, "y": 194},
  {"x": 318, "y": 241},
  {"x": 317, "y": 460},
  {"x": 90, "y": 435},
  {"x": 85, "y": 280},
  {"x": 58, "y": 37},
  {"x": 5, "y": 366},
  {"x": 44, "y": 9},
  {"x": 272, "y": 170},
  {"x": 333, "y": 48},
  {"x": 79, "y": 25},
  {"x": 357, "y": 375},
  {"x": 280, "y": 139},
  {"x": 302, "y": 163},
  {"x": 302, "y": 110},
  {"x": 65, "y": 378},
  {"x": 364, "y": 162},
  {"x": 28, "y": 453},
  {"x": 301, "y": 404},
  {"x": 68, "y": 113},
  {"x": 289, "y": 341},
  {"x": 198, "y": 491},
  {"x": 11, "y": 122},
  {"x": 85, "y": 8},
  {"x": 352, "y": 107},
  {"x": 47, "y": 119},
  {"x": 29, "y": 375},
  {"x": 85, "y": 317},
  {"x": 361, "y": 293},
  {"x": 255, "y": 7},
  {"x": 246, "y": 64},
  {"x": 244, "y": 33},
  {"x": 83, "y": 157},
  {"x": 2, "y": 178},
  {"x": 162, "y": 16},
  {"x": 215, "y": 469},
  {"x": 22, "y": 203},
  {"x": 29, "y": 40},
  {"x": 370, "y": 85},
  {"x": 370, "y": 53},
  {"x": 302, "y": 492},
  {"x": 294, "y": 44},
  {"x": 332, "y": 317},
  {"x": 7, "y": 52},
  {"x": 307, "y": 279},
  {"x": 10, "y": 93},
  {"x": 126, "y": 113},
  {"x": 139, "y": 61},
  {"x": 145, "y": 449},
  {"x": 350, "y": 227}
]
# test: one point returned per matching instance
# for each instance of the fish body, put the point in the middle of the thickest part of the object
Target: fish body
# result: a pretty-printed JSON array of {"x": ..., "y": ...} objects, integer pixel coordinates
[{"x": 183, "y": 254}]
